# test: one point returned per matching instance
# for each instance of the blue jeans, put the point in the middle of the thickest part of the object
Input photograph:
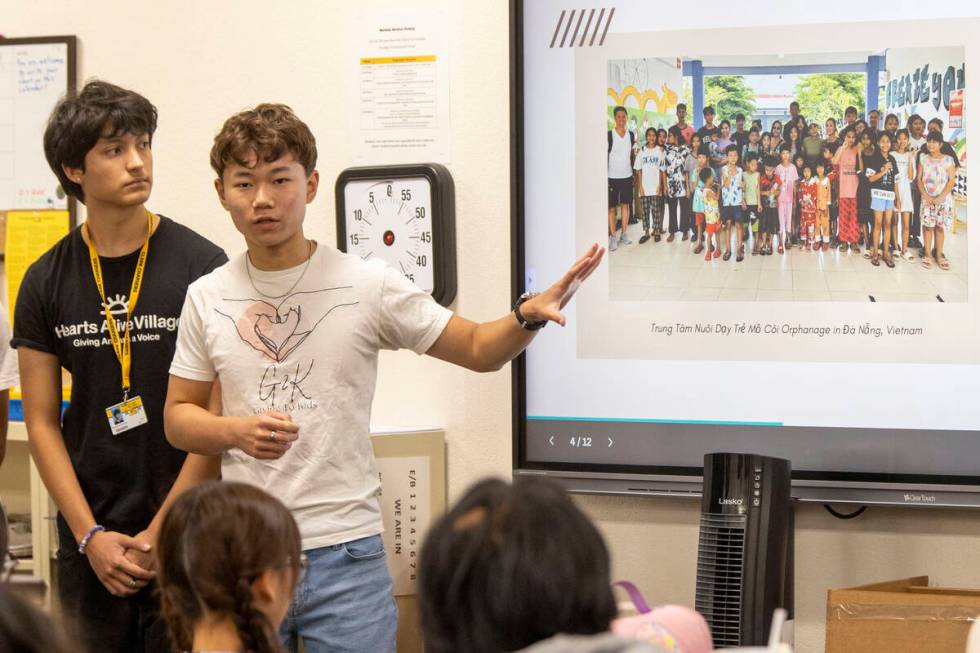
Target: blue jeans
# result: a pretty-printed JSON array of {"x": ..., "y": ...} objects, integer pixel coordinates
[{"x": 345, "y": 602}]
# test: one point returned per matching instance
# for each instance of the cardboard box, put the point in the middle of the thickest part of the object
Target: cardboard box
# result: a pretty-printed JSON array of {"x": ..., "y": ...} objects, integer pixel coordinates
[{"x": 900, "y": 616}]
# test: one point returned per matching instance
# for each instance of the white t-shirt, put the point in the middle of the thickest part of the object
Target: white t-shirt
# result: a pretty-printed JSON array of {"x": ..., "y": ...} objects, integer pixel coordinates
[
  {"x": 619, "y": 156},
  {"x": 651, "y": 161},
  {"x": 9, "y": 372},
  {"x": 314, "y": 355}
]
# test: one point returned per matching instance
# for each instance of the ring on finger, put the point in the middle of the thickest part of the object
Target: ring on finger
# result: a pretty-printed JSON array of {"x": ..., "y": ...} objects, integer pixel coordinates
[
  {"x": 272, "y": 436},
  {"x": 132, "y": 582}
]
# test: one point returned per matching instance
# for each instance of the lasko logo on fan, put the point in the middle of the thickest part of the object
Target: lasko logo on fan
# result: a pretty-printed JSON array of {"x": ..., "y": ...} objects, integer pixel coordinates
[{"x": 729, "y": 502}]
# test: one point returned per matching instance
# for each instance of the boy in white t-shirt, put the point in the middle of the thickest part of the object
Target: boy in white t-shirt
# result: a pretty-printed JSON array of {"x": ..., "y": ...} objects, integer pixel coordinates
[{"x": 293, "y": 329}]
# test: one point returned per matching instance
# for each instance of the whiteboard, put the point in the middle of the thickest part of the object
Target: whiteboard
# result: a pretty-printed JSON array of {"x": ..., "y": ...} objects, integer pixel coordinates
[{"x": 34, "y": 74}]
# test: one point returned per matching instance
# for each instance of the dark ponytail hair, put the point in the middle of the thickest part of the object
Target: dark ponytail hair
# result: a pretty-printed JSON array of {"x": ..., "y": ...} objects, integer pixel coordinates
[
  {"x": 254, "y": 629},
  {"x": 216, "y": 539}
]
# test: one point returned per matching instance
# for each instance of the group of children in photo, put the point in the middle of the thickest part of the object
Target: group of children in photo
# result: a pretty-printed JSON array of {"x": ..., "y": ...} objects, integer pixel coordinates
[{"x": 791, "y": 186}]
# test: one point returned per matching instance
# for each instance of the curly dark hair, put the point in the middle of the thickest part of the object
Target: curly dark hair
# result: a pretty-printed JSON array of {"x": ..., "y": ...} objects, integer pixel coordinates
[
  {"x": 100, "y": 110},
  {"x": 268, "y": 132}
]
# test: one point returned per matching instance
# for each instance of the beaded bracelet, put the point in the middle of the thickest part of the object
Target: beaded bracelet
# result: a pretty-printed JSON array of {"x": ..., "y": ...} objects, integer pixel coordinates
[{"x": 88, "y": 536}]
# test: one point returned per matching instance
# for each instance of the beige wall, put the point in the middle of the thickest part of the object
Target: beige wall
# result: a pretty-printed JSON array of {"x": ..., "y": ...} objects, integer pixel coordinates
[
  {"x": 654, "y": 543},
  {"x": 200, "y": 61}
]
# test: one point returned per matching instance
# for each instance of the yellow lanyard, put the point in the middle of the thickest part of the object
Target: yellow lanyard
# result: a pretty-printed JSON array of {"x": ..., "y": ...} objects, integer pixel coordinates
[{"x": 121, "y": 346}]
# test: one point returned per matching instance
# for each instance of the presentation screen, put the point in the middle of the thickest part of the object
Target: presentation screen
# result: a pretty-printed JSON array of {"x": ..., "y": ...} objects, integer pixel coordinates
[{"x": 789, "y": 269}]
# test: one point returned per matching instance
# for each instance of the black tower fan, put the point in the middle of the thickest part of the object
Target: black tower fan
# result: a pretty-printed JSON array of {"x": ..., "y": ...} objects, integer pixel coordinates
[{"x": 745, "y": 547}]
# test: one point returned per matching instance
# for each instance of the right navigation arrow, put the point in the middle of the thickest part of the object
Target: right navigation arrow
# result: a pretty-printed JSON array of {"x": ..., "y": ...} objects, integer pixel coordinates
[{"x": 610, "y": 441}]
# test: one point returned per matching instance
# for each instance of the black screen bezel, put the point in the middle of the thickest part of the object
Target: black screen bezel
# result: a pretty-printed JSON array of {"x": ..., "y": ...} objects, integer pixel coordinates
[{"x": 901, "y": 482}]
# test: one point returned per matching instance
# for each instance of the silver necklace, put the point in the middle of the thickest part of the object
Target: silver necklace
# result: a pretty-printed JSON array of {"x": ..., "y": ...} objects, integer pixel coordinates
[{"x": 248, "y": 271}]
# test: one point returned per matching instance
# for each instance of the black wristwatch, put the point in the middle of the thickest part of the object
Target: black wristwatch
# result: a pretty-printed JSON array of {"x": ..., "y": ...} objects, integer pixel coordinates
[{"x": 529, "y": 326}]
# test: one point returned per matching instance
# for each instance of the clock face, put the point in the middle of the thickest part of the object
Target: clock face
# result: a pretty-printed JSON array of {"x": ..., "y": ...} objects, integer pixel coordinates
[
  {"x": 406, "y": 216},
  {"x": 392, "y": 219}
]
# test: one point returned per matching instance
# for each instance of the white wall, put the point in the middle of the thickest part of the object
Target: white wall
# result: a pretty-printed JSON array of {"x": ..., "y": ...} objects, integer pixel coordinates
[{"x": 201, "y": 61}]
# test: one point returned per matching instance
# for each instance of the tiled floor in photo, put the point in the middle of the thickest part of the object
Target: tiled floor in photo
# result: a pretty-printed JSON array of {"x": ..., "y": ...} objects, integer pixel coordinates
[{"x": 670, "y": 271}]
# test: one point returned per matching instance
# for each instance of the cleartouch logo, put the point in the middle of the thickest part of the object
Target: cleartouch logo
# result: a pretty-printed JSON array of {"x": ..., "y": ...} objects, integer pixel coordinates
[{"x": 919, "y": 498}]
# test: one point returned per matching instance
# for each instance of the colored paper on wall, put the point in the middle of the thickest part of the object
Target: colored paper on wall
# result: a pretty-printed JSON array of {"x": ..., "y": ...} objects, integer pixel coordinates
[{"x": 29, "y": 234}]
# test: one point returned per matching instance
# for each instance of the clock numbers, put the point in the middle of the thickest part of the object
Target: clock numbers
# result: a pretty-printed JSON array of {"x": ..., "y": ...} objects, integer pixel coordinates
[{"x": 392, "y": 219}]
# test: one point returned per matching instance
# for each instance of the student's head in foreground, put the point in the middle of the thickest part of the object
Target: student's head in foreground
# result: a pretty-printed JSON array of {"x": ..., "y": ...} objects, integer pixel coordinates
[
  {"x": 265, "y": 161},
  {"x": 229, "y": 559},
  {"x": 97, "y": 142},
  {"x": 510, "y": 565},
  {"x": 25, "y": 629}
]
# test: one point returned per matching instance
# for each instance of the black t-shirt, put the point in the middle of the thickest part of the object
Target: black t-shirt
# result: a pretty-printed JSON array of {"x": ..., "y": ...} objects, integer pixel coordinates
[
  {"x": 741, "y": 138},
  {"x": 706, "y": 133},
  {"x": 864, "y": 187},
  {"x": 125, "y": 478},
  {"x": 873, "y": 165}
]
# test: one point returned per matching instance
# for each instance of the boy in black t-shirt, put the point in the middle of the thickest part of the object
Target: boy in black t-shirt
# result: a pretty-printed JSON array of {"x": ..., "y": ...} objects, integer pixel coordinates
[
  {"x": 708, "y": 129},
  {"x": 107, "y": 463},
  {"x": 740, "y": 136}
]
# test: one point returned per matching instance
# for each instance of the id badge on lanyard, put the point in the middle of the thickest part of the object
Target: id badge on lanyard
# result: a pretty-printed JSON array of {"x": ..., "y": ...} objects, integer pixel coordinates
[{"x": 130, "y": 412}]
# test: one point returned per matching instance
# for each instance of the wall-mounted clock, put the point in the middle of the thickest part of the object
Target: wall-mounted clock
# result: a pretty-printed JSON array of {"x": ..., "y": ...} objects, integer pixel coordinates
[{"x": 405, "y": 215}]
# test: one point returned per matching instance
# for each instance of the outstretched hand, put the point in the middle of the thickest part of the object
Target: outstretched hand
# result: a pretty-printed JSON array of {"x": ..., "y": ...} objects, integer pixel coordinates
[{"x": 548, "y": 304}]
